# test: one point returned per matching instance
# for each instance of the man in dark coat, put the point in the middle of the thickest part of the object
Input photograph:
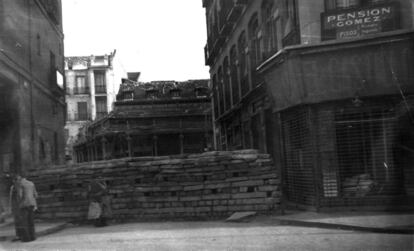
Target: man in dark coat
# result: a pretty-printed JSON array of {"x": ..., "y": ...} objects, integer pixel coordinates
[{"x": 15, "y": 208}]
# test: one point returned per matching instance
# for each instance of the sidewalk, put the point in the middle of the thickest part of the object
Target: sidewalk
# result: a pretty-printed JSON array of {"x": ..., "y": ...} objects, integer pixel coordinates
[
  {"x": 377, "y": 222},
  {"x": 7, "y": 232}
]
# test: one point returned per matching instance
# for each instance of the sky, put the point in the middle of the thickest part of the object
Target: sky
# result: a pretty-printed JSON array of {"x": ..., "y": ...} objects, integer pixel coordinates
[{"x": 162, "y": 39}]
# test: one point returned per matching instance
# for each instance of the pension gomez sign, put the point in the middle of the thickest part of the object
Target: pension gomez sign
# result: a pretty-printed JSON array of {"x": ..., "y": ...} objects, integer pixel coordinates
[{"x": 356, "y": 22}]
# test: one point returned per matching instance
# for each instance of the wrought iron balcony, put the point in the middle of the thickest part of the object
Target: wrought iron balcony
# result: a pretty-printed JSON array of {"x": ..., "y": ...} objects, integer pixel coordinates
[
  {"x": 79, "y": 117},
  {"x": 81, "y": 90},
  {"x": 100, "y": 88}
]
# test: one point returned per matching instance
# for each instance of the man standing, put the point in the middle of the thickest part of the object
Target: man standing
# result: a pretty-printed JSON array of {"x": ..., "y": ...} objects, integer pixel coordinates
[
  {"x": 15, "y": 207},
  {"x": 28, "y": 205}
]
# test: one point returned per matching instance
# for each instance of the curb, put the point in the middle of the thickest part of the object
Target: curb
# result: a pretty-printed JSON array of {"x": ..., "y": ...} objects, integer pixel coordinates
[
  {"x": 41, "y": 233},
  {"x": 346, "y": 227}
]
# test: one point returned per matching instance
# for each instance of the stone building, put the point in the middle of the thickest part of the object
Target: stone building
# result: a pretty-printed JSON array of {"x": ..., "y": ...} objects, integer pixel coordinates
[
  {"x": 325, "y": 86},
  {"x": 32, "y": 101},
  {"x": 151, "y": 119},
  {"x": 91, "y": 88},
  {"x": 31, "y": 85}
]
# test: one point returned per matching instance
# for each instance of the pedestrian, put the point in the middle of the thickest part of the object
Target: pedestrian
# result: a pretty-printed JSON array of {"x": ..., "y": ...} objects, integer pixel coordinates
[
  {"x": 99, "y": 203},
  {"x": 27, "y": 195},
  {"x": 15, "y": 208}
]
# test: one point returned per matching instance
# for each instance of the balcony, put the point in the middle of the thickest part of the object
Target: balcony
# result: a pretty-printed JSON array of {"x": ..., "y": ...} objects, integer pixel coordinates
[
  {"x": 81, "y": 90},
  {"x": 100, "y": 89},
  {"x": 79, "y": 117},
  {"x": 337, "y": 71}
]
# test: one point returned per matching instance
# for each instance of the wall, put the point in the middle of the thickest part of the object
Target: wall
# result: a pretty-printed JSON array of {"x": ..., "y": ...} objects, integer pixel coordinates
[{"x": 211, "y": 184}]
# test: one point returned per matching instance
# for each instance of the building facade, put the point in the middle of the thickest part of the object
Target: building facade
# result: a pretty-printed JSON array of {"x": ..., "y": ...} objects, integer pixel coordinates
[
  {"x": 32, "y": 100},
  {"x": 151, "y": 119},
  {"x": 91, "y": 88},
  {"x": 31, "y": 85},
  {"x": 325, "y": 87}
]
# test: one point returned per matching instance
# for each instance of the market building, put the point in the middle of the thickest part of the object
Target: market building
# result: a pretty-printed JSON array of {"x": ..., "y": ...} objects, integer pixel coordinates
[
  {"x": 91, "y": 88},
  {"x": 151, "y": 119},
  {"x": 325, "y": 87}
]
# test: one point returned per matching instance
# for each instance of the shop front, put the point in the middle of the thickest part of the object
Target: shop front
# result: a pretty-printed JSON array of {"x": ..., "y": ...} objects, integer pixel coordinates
[
  {"x": 349, "y": 154},
  {"x": 346, "y": 117}
]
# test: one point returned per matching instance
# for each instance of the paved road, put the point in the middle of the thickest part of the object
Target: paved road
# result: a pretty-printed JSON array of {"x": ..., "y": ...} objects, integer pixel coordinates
[{"x": 211, "y": 236}]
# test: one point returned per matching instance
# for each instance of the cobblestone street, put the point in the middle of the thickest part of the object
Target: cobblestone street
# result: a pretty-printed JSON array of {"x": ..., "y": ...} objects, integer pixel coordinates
[{"x": 211, "y": 236}]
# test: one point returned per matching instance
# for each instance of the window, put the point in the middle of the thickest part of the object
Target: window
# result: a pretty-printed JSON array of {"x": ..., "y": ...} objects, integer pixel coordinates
[
  {"x": 55, "y": 147},
  {"x": 101, "y": 107},
  {"x": 80, "y": 85},
  {"x": 221, "y": 89},
  {"x": 234, "y": 75},
  {"x": 270, "y": 36},
  {"x": 255, "y": 40},
  {"x": 38, "y": 45},
  {"x": 52, "y": 69},
  {"x": 82, "y": 111},
  {"x": 60, "y": 49},
  {"x": 42, "y": 151},
  {"x": 291, "y": 30},
  {"x": 272, "y": 28},
  {"x": 244, "y": 77},
  {"x": 152, "y": 94},
  {"x": 175, "y": 93},
  {"x": 100, "y": 83},
  {"x": 128, "y": 96},
  {"x": 366, "y": 159},
  {"x": 226, "y": 84},
  {"x": 216, "y": 97}
]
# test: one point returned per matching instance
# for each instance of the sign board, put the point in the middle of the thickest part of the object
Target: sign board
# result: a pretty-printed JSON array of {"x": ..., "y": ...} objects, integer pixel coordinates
[{"x": 357, "y": 22}]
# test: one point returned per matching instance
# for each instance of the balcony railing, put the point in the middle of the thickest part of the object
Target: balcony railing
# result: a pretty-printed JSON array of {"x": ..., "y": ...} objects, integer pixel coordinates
[
  {"x": 100, "y": 88},
  {"x": 81, "y": 90},
  {"x": 80, "y": 117}
]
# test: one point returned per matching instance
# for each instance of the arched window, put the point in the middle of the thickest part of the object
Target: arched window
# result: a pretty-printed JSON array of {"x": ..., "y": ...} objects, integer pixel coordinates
[
  {"x": 270, "y": 37},
  {"x": 226, "y": 84},
  {"x": 243, "y": 72},
  {"x": 216, "y": 98},
  {"x": 254, "y": 39},
  {"x": 234, "y": 75},
  {"x": 221, "y": 89}
]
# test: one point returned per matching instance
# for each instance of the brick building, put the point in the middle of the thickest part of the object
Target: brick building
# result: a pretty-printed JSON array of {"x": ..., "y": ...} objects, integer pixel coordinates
[
  {"x": 31, "y": 85},
  {"x": 91, "y": 88},
  {"x": 151, "y": 119},
  {"x": 325, "y": 86}
]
